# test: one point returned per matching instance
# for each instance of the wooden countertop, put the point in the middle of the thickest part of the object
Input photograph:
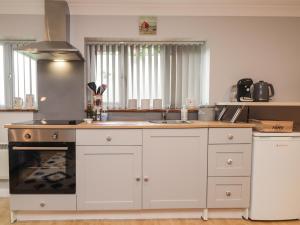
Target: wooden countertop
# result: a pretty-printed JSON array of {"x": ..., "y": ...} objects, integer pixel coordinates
[{"x": 137, "y": 125}]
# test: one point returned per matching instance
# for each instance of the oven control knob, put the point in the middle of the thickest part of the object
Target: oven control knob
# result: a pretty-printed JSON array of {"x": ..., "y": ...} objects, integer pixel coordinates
[
  {"x": 27, "y": 136},
  {"x": 54, "y": 136}
]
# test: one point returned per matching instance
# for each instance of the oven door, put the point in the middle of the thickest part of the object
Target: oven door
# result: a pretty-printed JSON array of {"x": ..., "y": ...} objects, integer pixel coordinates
[{"x": 42, "y": 168}]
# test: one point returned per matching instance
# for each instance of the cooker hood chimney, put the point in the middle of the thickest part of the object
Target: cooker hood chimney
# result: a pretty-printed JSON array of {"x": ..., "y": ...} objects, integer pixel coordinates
[{"x": 57, "y": 33}]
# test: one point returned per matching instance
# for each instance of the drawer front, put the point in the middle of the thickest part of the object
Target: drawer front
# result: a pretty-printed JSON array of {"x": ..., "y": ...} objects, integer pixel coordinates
[
  {"x": 228, "y": 192},
  {"x": 43, "y": 202},
  {"x": 109, "y": 137},
  {"x": 229, "y": 160},
  {"x": 230, "y": 135}
]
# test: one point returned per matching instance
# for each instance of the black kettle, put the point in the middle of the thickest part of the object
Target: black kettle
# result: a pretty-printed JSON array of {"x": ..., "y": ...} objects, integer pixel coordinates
[{"x": 263, "y": 91}]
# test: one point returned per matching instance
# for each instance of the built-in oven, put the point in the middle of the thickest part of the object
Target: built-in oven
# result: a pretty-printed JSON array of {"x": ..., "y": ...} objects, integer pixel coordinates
[{"x": 42, "y": 161}]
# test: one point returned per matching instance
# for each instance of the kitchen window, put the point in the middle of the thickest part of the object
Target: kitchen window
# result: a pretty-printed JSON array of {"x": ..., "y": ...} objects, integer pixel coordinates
[
  {"x": 17, "y": 74},
  {"x": 175, "y": 72}
]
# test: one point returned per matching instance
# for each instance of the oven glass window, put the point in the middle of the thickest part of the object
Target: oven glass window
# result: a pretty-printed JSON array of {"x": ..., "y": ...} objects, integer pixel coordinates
[{"x": 42, "y": 171}]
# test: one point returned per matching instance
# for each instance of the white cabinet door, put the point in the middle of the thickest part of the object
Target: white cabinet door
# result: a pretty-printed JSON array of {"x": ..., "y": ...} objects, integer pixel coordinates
[
  {"x": 108, "y": 177},
  {"x": 4, "y": 164},
  {"x": 174, "y": 168}
]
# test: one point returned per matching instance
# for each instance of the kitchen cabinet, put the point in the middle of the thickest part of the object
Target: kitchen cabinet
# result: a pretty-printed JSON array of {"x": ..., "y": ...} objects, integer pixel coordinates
[
  {"x": 109, "y": 177},
  {"x": 174, "y": 168},
  {"x": 229, "y": 167},
  {"x": 43, "y": 202},
  {"x": 4, "y": 164}
]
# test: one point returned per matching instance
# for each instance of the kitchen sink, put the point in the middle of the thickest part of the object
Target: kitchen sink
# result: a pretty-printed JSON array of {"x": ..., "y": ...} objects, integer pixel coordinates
[{"x": 170, "y": 121}]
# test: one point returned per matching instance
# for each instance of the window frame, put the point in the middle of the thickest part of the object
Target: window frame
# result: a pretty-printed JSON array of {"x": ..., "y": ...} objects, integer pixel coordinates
[
  {"x": 205, "y": 58},
  {"x": 9, "y": 77}
]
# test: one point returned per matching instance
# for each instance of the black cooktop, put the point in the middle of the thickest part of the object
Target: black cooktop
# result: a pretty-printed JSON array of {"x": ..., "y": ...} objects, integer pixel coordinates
[{"x": 50, "y": 122}]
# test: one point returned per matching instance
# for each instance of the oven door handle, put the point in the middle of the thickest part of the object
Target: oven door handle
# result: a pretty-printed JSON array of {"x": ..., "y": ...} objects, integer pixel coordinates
[{"x": 41, "y": 148}]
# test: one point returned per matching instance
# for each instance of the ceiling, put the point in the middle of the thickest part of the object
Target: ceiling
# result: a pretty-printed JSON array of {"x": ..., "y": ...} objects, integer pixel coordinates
[{"x": 289, "y": 8}]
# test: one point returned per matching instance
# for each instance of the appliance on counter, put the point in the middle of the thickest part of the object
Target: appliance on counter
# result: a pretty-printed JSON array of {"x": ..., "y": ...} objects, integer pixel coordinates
[
  {"x": 57, "y": 33},
  {"x": 275, "y": 178},
  {"x": 244, "y": 90},
  {"x": 42, "y": 161},
  {"x": 263, "y": 91}
]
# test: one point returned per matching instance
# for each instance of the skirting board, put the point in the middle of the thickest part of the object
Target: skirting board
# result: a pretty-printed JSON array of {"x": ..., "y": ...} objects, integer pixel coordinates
[
  {"x": 127, "y": 215},
  {"x": 4, "y": 192}
]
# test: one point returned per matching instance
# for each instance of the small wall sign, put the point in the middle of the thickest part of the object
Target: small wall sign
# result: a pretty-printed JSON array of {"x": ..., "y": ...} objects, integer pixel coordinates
[{"x": 148, "y": 25}]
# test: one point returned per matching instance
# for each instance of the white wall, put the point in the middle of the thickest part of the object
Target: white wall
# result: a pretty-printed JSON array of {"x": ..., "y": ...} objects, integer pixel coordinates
[
  {"x": 260, "y": 47},
  {"x": 264, "y": 48},
  {"x": 21, "y": 27}
]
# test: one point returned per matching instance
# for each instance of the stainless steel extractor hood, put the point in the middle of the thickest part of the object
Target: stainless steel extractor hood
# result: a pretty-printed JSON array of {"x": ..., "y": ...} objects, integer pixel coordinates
[{"x": 57, "y": 33}]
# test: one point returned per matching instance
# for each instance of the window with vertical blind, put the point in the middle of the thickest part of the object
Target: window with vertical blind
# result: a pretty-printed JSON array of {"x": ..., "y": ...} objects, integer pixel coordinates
[
  {"x": 17, "y": 74},
  {"x": 172, "y": 71}
]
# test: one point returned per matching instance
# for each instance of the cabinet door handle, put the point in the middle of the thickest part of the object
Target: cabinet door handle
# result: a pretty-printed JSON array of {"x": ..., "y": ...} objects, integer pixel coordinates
[
  {"x": 138, "y": 179},
  {"x": 146, "y": 179},
  {"x": 108, "y": 138},
  {"x": 229, "y": 162},
  {"x": 228, "y": 193},
  {"x": 42, "y": 204},
  {"x": 230, "y": 136}
]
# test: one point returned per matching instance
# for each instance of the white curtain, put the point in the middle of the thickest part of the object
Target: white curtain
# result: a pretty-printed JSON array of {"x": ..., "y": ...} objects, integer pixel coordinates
[{"x": 171, "y": 72}]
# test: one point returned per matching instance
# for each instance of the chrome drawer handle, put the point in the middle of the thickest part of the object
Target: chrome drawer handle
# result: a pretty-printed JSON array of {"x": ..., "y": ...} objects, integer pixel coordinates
[
  {"x": 228, "y": 193},
  {"x": 108, "y": 138},
  {"x": 229, "y": 162},
  {"x": 42, "y": 204},
  {"x": 230, "y": 136}
]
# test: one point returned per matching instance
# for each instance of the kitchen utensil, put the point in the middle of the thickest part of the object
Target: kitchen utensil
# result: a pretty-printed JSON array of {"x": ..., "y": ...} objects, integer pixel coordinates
[
  {"x": 244, "y": 90},
  {"x": 93, "y": 87},
  {"x": 102, "y": 88},
  {"x": 98, "y": 90},
  {"x": 263, "y": 91}
]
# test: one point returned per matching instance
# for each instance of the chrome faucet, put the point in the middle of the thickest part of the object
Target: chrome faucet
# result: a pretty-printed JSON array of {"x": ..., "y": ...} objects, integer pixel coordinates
[{"x": 165, "y": 113}]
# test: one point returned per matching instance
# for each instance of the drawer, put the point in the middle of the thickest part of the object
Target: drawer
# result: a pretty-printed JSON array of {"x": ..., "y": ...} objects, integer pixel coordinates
[
  {"x": 229, "y": 160},
  {"x": 228, "y": 192},
  {"x": 43, "y": 202},
  {"x": 230, "y": 135},
  {"x": 109, "y": 137}
]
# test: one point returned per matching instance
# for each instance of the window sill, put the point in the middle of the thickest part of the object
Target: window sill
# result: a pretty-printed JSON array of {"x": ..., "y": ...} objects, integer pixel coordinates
[
  {"x": 148, "y": 110},
  {"x": 18, "y": 110}
]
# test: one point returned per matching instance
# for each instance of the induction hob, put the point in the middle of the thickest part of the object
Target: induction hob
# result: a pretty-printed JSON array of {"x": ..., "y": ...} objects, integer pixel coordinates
[{"x": 50, "y": 122}]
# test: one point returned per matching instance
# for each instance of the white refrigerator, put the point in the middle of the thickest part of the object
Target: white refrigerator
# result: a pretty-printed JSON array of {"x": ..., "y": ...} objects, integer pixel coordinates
[{"x": 275, "y": 191}]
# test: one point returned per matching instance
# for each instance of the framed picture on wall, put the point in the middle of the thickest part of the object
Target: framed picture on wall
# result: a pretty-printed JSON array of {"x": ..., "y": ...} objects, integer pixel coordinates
[{"x": 147, "y": 25}]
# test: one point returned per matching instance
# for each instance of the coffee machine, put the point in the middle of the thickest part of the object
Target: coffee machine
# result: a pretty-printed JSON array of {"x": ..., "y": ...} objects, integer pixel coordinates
[{"x": 244, "y": 90}]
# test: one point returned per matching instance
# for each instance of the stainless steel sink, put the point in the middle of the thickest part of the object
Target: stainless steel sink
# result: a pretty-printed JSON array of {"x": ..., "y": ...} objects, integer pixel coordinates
[{"x": 170, "y": 121}]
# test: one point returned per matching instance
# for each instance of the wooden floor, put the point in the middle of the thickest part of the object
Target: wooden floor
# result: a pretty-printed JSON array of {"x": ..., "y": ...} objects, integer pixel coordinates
[{"x": 4, "y": 220}]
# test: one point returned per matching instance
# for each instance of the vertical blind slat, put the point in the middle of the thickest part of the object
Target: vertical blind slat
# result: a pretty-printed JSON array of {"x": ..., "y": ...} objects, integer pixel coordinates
[
  {"x": 138, "y": 80},
  {"x": 179, "y": 102},
  {"x": 173, "y": 76},
  {"x": 150, "y": 65},
  {"x": 113, "y": 78},
  {"x": 166, "y": 71},
  {"x": 156, "y": 70}
]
